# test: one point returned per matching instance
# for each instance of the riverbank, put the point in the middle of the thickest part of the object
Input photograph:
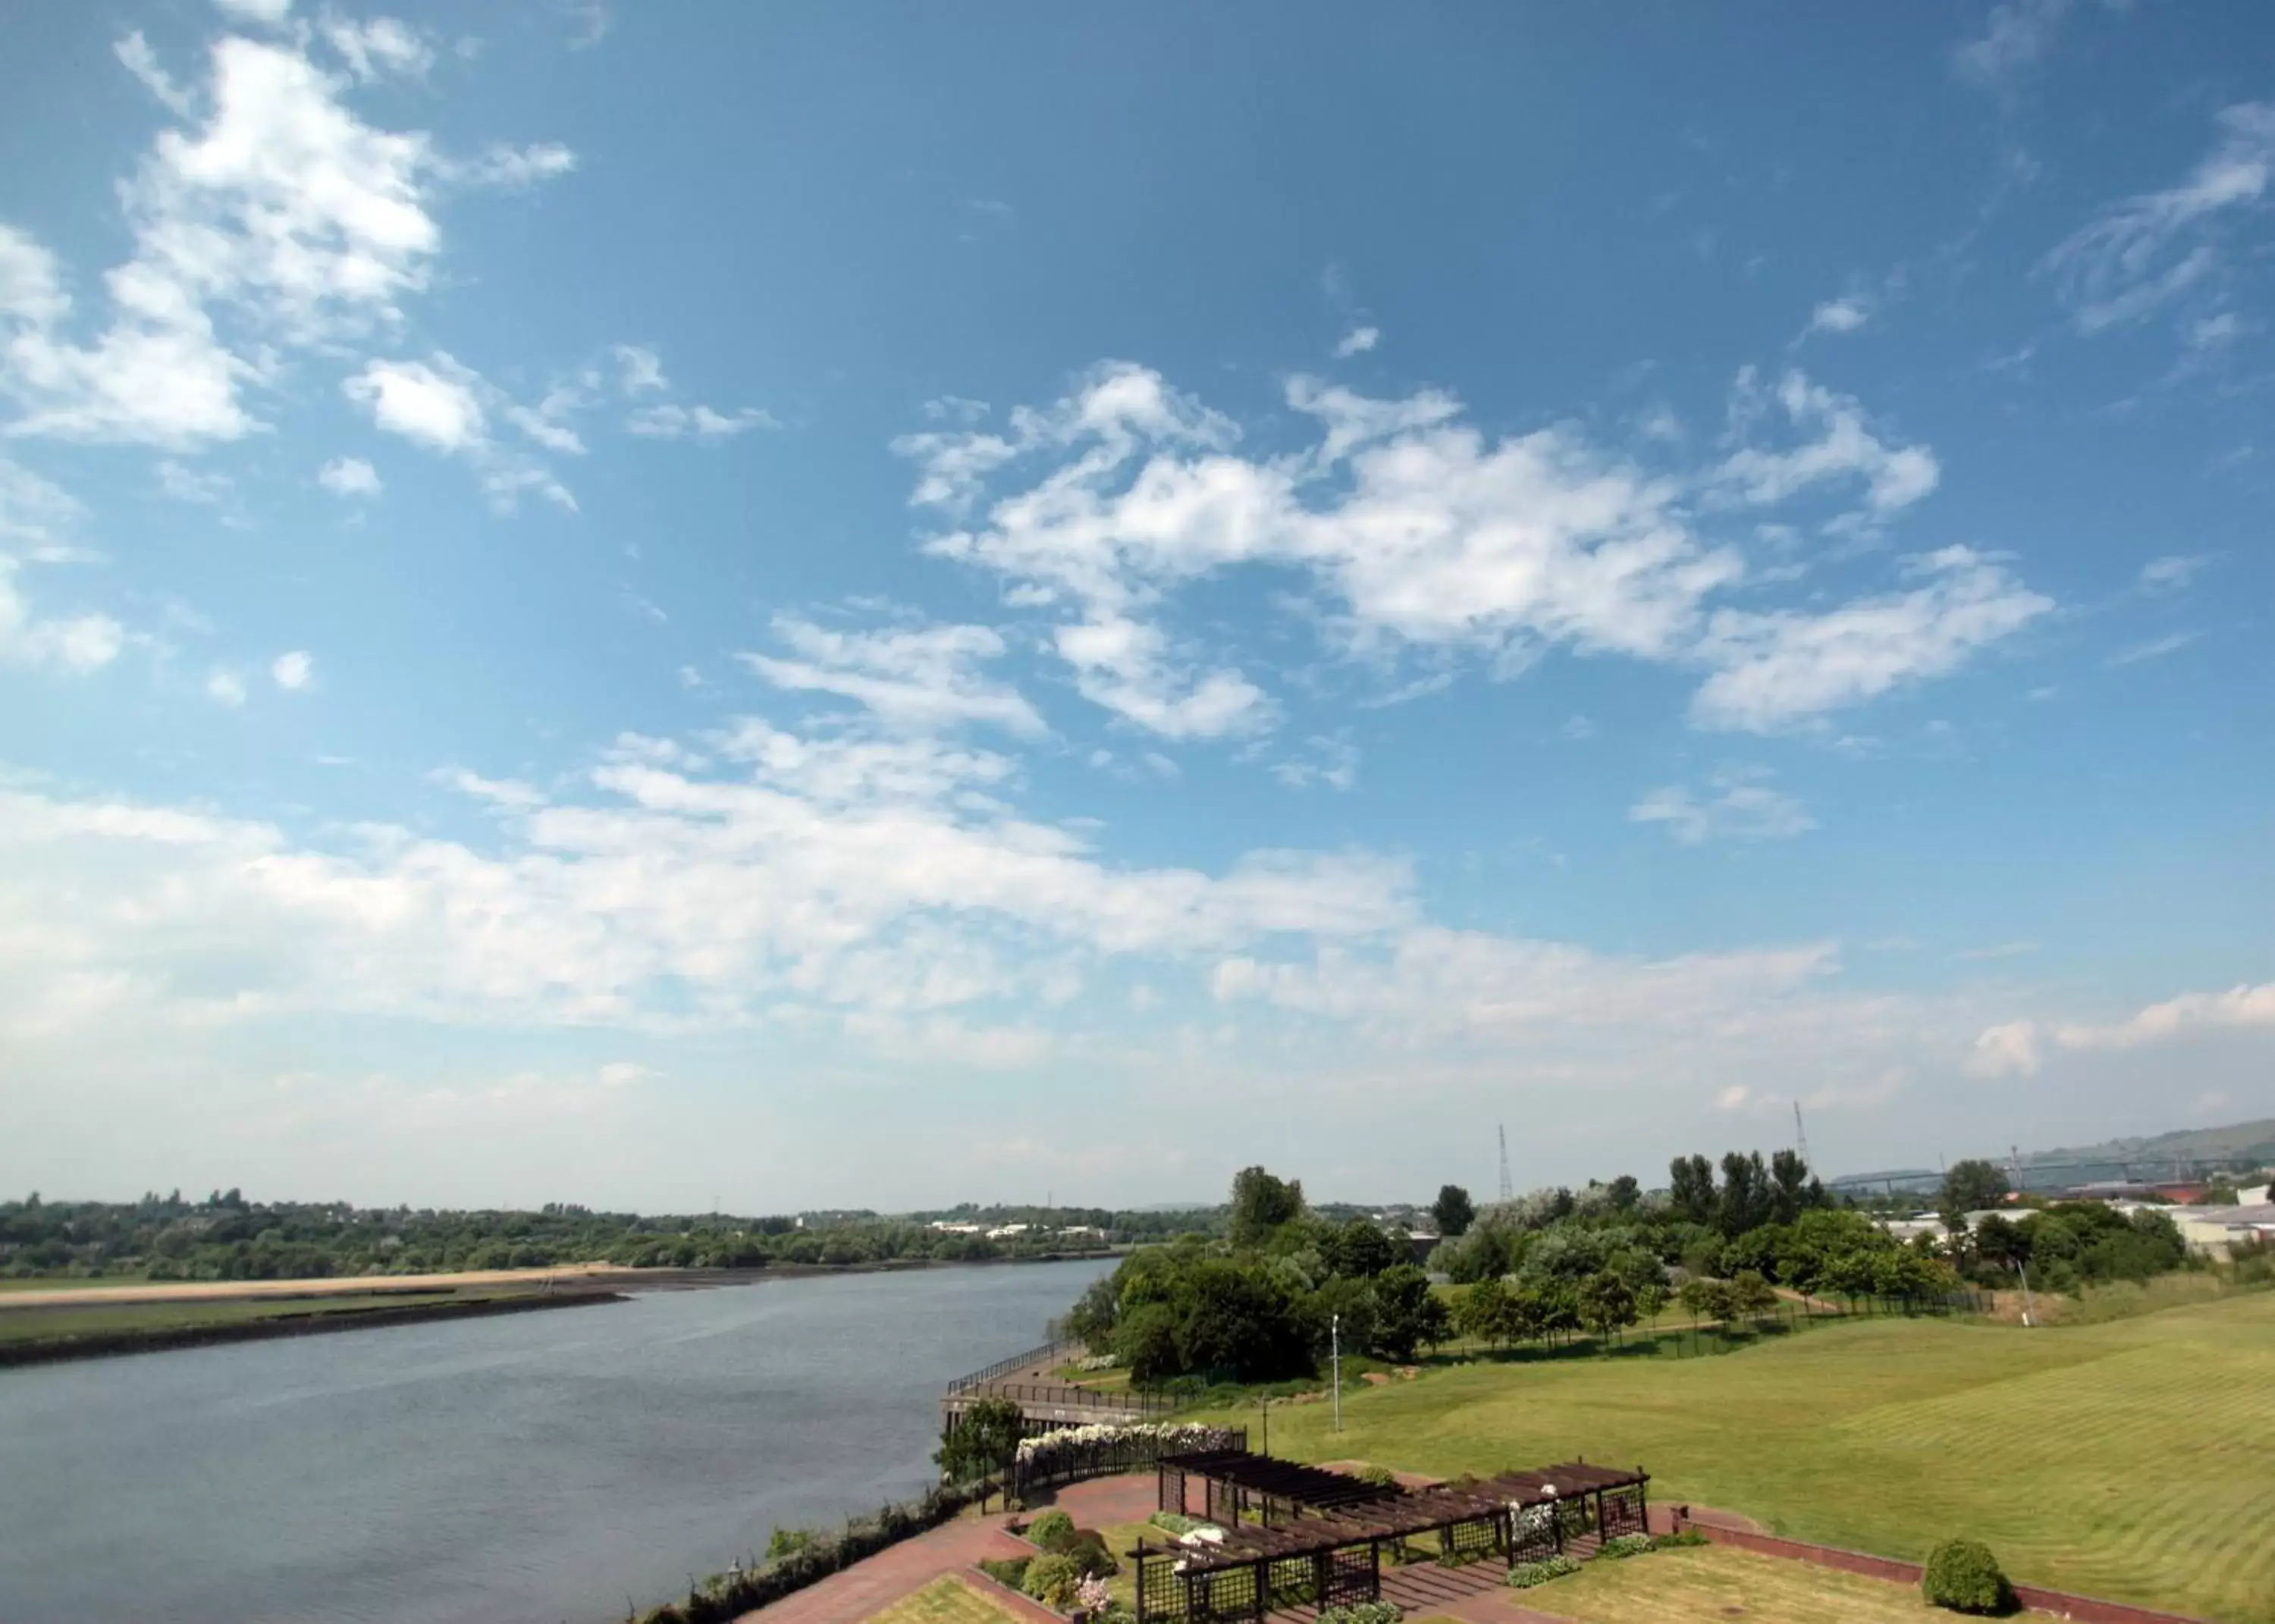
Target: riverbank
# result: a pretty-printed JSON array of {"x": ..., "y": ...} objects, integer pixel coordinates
[
  {"x": 41, "y": 1325},
  {"x": 78, "y": 1333},
  {"x": 84, "y": 1293}
]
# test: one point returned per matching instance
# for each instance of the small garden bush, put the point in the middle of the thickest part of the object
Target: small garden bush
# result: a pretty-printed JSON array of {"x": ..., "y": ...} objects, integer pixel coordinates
[
  {"x": 1173, "y": 1523},
  {"x": 1363, "y": 1613},
  {"x": 1007, "y": 1570},
  {"x": 1049, "y": 1529},
  {"x": 1688, "y": 1538},
  {"x": 1087, "y": 1547},
  {"x": 1625, "y": 1545},
  {"x": 1053, "y": 1580},
  {"x": 1524, "y": 1575},
  {"x": 1963, "y": 1576},
  {"x": 1380, "y": 1477}
]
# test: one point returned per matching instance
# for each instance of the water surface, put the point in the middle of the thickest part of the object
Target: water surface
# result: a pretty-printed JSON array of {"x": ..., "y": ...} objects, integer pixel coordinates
[{"x": 530, "y": 1467}]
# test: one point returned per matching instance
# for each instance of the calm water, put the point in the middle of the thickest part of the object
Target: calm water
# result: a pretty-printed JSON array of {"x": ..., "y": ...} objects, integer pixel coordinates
[{"x": 534, "y": 1467}]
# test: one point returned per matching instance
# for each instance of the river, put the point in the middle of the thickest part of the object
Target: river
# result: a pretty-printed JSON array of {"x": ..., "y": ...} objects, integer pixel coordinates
[{"x": 536, "y": 1468}]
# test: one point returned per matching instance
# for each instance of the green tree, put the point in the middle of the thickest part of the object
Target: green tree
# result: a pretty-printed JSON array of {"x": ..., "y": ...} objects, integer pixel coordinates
[
  {"x": 1453, "y": 1211},
  {"x": 1748, "y": 1199},
  {"x": 1358, "y": 1250},
  {"x": 1969, "y": 1186},
  {"x": 1485, "y": 1312},
  {"x": 982, "y": 1442},
  {"x": 1261, "y": 1204},
  {"x": 1702, "y": 1298},
  {"x": 1750, "y": 1293},
  {"x": 1407, "y": 1313},
  {"x": 1607, "y": 1306},
  {"x": 1690, "y": 1189}
]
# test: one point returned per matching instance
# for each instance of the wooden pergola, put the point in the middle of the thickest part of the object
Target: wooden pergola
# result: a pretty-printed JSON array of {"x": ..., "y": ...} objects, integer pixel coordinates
[
  {"x": 1334, "y": 1558},
  {"x": 1235, "y": 1485}
]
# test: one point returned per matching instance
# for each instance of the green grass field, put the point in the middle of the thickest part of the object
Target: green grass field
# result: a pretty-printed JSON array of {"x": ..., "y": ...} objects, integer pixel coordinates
[
  {"x": 1679, "y": 1587},
  {"x": 2124, "y": 1460},
  {"x": 946, "y": 1601}
]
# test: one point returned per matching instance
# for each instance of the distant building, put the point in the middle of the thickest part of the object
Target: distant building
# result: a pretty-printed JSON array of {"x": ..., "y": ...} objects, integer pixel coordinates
[{"x": 2214, "y": 1231}]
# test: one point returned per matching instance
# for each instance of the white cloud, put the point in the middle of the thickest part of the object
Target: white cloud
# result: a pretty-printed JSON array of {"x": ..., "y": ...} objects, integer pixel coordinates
[
  {"x": 640, "y": 370},
  {"x": 39, "y": 519},
  {"x": 2015, "y": 34},
  {"x": 2144, "y": 251},
  {"x": 381, "y": 46},
  {"x": 1358, "y": 340},
  {"x": 434, "y": 405},
  {"x": 2172, "y": 572},
  {"x": 182, "y": 484},
  {"x": 855, "y": 875},
  {"x": 1738, "y": 804},
  {"x": 78, "y": 643},
  {"x": 446, "y": 405},
  {"x": 2216, "y": 332},
  {"x": 1843, "y": 448},
  {"x": 281, "y": 222},
  {"x": 1419, "y": 531},
  {"x": 2242, "y": 1005},
  {"x": 350, "y": 476},
  {"x": 513, "y": 168},
  {"x": 269, "y": 11},
  {"x": 916, "y": 679},
  {"x": 1777, "y": 668},
  {"x": 669, "y": 421},
  {"x": 2011, "y": 1050},
  {"x": 1840, "y": 315},
  {"x": 293, "y": 671},
  {"x": 1333, "y": 762},
  {"x": 140, "y": 60},
  {"x": 2155, "y": 648},
  {"x": 225, "y": 687}
]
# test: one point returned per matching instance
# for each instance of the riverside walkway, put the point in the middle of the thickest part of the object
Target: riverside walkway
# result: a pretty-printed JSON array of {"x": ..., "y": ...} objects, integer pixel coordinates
[{"x": 1031, "y": 1380}]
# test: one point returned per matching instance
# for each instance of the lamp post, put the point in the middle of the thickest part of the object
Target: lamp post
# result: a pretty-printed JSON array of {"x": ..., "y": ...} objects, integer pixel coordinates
[
  {"x": 2030, "y": 1304},
  {"x": 1335, "y": 1353}
]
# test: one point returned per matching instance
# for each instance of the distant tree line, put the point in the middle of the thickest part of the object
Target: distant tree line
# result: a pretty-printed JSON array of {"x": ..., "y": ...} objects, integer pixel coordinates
[{"x": 224, "y": 1236}]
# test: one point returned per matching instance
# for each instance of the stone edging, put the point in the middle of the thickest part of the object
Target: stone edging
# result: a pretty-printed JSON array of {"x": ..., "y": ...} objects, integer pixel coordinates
[{"x": 2087, "y": 1609}]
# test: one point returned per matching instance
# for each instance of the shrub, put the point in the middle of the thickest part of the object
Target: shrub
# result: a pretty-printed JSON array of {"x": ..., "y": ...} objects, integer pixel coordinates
[
  {"x": 1363, "y": 1613},
  {"x": 1053, "y": 1580},
  {"x": 1050, "y": 1530},
  {"x": 1963, "y": 1576},
  {"x": 1625, "y": 1545},
  {"x": 1087, "y": 1547},
  {"x": 1524, "y": 1575},
  {"x": 1173, "y": 1523},
  {"x": 787, "y": 1542},
  {"x": 1380, "y": 1477},
  {"x": 1007, "y": 1570},
  {"x": 1675, "y": 1542}
]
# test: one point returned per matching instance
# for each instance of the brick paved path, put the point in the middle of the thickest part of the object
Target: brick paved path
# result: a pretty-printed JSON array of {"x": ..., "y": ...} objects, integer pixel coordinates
[{"x": 868, "y": 1587}]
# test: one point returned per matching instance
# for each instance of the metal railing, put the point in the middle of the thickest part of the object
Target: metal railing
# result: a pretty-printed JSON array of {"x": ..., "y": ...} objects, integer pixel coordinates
[
  {"x": 1049, "y": 1350},
  {"x": 1057, "y": 1396}
]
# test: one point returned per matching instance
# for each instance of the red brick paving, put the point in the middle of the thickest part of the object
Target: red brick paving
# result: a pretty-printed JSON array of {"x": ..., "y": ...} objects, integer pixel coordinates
[{"x": 868, "y": 1587}]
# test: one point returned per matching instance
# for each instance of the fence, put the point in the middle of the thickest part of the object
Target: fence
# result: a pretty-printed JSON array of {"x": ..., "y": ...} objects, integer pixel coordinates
[{"x": 1049, "y": 1352}]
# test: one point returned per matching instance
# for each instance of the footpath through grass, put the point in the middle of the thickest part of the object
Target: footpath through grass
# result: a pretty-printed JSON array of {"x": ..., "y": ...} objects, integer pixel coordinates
[{"x": 2124, "y": 1460}]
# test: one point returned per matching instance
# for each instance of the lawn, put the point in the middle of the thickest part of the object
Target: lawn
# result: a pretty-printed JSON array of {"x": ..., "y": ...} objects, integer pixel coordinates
[
  {"x": 1678, "y": 1587},
  {"x": 2120, "y": 1460},
  {"x": 946, "y": 1601}
]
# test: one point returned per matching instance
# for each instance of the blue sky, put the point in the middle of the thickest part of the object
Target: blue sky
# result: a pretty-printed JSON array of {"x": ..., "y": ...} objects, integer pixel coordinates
[{"x": 816, "y": 606}]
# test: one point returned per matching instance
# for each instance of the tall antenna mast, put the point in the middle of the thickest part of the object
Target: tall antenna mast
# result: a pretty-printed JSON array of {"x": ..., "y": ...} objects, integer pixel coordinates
[
  {"x": 1799, "y": 1135},
  {"x": 1506, "y": 1192}
]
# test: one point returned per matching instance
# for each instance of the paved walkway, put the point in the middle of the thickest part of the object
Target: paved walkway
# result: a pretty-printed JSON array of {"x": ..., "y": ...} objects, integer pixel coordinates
[{"x": 868, "y": 1587}]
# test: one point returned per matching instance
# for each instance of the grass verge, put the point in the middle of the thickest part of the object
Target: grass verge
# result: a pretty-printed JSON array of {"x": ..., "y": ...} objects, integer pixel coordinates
[
  {"x": 2111, "y": 1460},
  {"x": 946, "y": 1600}
]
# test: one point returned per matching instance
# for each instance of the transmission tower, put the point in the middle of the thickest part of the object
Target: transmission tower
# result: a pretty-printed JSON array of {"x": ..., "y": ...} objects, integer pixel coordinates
[{"x": 1506, "y": 1192}]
